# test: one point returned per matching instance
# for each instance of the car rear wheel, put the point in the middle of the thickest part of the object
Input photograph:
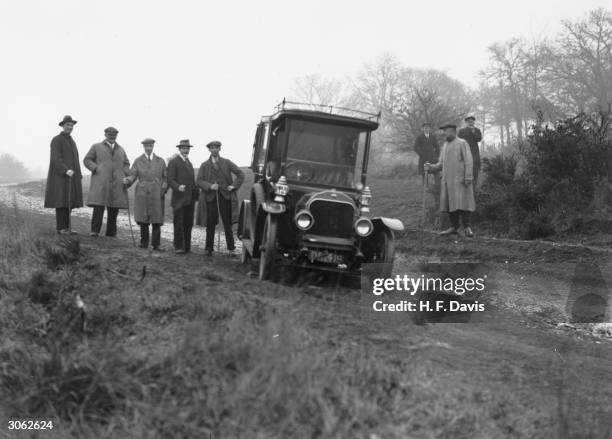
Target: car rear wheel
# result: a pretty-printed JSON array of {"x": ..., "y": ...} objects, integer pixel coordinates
[{"x": 267, "y": 252}]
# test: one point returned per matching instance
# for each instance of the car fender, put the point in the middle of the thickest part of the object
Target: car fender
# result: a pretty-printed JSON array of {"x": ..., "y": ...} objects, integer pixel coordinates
[
  {"x": 273, "y": 207},
  {"x": 390, "y": 223}
]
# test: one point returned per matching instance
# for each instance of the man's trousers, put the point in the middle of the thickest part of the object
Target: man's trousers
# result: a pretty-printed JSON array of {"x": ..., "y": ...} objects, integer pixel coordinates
[
  {"x": 183, "y": 223},
  {"x": 212, "y": 217}
]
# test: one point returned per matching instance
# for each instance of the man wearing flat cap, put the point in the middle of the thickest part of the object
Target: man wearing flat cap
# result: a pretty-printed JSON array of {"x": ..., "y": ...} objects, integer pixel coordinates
[
  {"x": 456, "y": 194},
  {"x": 64, "y": 191},
  {"x": 426, "y": 147},
  {"x": 109, "y": 168},
  {"x": 219, "y": 189},
  {"x": 150, "y": 171},
  {"x": 472, "y": 136},
  {"x": 181, "y": 179}
]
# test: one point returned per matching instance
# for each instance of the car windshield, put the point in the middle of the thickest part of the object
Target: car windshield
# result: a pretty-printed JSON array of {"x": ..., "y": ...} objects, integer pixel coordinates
[{"x": 325, "y": 154}]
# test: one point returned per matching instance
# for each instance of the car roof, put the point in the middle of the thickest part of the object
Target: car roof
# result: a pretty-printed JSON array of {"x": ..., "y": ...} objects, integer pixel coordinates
[{"x": 324, "y": 113}]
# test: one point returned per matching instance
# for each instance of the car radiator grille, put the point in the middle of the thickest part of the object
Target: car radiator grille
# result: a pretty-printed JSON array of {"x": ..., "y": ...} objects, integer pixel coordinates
[{"x": 332, "y": 219}]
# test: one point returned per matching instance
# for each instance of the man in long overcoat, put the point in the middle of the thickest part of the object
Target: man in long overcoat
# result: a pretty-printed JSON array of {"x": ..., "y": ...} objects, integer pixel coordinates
[
  {"x": 219, "y": 188},
  {"x": 150, "y": 171},
  {"x": 456, "y": 194},
  {"x": 64, "y": 191},
  {"x": 109, "y": 168},
  {"x": 181, "y": 179},
  {"x": 426, "y": 147},
  {"x": 472, "y": 136}
]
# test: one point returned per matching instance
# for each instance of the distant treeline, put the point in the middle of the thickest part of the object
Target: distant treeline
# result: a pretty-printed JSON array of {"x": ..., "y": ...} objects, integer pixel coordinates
[{"x": 12, "y": 170}]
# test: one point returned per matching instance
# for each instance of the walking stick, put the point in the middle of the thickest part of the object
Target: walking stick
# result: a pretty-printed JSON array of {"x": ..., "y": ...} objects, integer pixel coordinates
[
  {"x": 426, "y": 182},
  {"x": 129, "y": 215},
  {"x": 221, "y": 221},
  {"x": 69, "y": 203}
]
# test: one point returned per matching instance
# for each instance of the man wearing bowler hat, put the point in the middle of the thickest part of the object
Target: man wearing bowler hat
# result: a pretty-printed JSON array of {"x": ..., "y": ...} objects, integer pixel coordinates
[
  {"x": 64, "y": 191},
  {"x": 457, "y": 194},
  {"x": 219, "y": 188},
  {"x": 181, "y": 179},
  {"x": 150, "y": 171},
  {"x": 472, "y": 136},
  {"x": 109, "y": 168}
]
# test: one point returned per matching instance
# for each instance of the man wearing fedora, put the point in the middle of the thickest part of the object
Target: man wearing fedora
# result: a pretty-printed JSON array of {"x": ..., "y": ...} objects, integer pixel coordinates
[
  {"x": 472, "y": 136},
  {"x": 64, "y": 191},
  {"x": 456, "y": 194},
  {"x": 109, "y": 168},
  {"x": 219, "y": 189},
  {"x": 150, "y": 171},
  {"x": 181, "y": 179},
  {"x": 426, "y": 147}
]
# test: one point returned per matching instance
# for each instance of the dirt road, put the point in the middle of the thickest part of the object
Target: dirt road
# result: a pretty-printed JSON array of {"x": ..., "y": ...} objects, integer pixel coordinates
[{"x": 523, "y": 370}]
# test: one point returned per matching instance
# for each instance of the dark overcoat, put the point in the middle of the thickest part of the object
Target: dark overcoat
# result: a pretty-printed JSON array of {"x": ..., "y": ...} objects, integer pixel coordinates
[
  {"x": 181, "y": 172},
  {"x": 427, "y": 149},
  {"x": 64, "y": 156},
  {"x": 223, "y": 177},
  {"x": 108, "y": 169},
  {"x": 150, "y": 189},
  {"x": 472, "y": 136}
]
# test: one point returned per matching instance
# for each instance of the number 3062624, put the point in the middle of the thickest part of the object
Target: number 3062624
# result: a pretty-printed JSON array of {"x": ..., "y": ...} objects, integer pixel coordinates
[{"x": 30, "y": 424}]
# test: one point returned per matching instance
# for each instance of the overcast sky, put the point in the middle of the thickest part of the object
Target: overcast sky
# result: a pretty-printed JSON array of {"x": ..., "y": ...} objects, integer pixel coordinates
[{"x": 208, "y": 70}]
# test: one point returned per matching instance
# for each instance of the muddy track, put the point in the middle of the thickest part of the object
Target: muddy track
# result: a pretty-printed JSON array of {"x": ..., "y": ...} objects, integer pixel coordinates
[{"x": 523, "y": 355}]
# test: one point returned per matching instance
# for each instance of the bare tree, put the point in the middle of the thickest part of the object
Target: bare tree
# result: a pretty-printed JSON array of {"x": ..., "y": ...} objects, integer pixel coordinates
[
  {"x": 317, "y": 89},
  {"x": 582, "y": 63},
  {"x": 428, "y": 96},
  {"x": 376, "y": 86}
]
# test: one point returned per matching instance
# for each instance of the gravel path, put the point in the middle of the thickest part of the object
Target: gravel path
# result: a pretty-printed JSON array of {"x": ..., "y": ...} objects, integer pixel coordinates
[{"x": 12, "y": 195}]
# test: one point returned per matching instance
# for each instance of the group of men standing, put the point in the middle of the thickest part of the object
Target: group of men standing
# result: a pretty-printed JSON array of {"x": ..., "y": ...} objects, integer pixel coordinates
[
  {"x": 458, "y": 165},
  {"x": 215, "y": 187}
]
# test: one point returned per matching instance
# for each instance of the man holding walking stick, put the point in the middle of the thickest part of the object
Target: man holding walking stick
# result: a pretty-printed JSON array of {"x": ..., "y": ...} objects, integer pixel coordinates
[
  {"x": 63, "y": 190},
  {"x": 219, "y": 190},
  {"x": 150, "y": 171},
  {"x": 109, "y": 168},
  {"x": 181, "y": 179}
]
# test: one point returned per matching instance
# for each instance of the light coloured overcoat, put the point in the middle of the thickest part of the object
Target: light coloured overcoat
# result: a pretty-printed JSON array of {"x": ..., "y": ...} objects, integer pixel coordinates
[
  {"x": 150, "y": 189},
  {"x": 108, "y": 168},
  {"x": 456, "y": 165}
]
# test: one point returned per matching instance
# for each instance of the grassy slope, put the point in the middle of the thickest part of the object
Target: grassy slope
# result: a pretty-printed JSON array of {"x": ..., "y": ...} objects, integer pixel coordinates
[{"x": 197, "y": 347}]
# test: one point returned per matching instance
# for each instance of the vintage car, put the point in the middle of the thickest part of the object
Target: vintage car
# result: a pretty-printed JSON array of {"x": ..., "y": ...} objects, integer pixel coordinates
[{"x": 309, "y": 205}]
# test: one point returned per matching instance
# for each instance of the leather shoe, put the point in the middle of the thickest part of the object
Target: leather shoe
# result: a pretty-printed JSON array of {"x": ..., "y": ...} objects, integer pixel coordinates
[
  {"x": 449, "y": 231},
  {"x": 179, "y": 252},
  {"x": 468, "y": 232}
]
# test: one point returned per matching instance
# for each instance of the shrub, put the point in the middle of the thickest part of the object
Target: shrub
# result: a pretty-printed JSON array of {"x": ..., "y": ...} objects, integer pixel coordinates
[{"x": 564, "y": 165}]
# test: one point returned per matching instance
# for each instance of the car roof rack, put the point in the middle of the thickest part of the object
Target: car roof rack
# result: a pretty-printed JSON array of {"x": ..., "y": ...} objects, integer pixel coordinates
[{"x": 328, "y": 109}]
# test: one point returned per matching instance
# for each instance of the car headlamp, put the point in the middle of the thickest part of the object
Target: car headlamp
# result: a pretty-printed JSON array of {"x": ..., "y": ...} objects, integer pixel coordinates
[
  {"x": 304, "y": 220},
  {"x": 363, "y": 226}
]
